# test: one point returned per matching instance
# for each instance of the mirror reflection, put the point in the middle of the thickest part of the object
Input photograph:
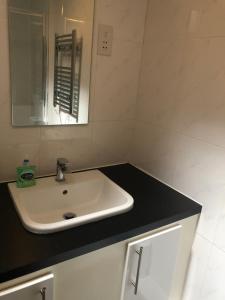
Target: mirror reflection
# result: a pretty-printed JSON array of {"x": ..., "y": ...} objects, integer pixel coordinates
[{"x": 50, "y": 57}]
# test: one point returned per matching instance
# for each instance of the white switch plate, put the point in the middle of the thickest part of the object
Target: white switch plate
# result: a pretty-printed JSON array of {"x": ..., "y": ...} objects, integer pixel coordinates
[{"x": 105, "y": 40}]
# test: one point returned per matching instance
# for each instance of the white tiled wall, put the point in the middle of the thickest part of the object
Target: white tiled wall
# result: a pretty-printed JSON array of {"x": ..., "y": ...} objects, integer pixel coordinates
[
  {"x": 113, "y": 94},
  {"x": 180, "y": 125}
]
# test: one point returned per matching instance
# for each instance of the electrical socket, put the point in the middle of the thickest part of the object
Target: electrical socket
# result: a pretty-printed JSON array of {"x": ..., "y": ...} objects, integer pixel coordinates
[{"x": 105, "y": 40}]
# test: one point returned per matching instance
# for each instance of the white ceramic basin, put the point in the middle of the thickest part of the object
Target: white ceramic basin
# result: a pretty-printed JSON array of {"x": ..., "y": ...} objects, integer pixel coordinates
[{"x": 84, "y": 197}]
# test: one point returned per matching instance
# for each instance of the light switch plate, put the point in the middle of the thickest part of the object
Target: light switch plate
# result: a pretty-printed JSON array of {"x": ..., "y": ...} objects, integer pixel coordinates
[{"x": 105, "y": 40}]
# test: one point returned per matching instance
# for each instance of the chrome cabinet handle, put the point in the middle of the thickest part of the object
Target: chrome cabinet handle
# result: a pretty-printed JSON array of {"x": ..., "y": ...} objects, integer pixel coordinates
[
  {"x": 135, "y": 284},
  {"x": 43, "y": 293}
]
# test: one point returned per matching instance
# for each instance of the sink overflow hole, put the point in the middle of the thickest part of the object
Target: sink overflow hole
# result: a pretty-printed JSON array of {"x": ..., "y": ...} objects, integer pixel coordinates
[
  {"x": 65, "y": 192},
  {"x": 69, "y": 215}
]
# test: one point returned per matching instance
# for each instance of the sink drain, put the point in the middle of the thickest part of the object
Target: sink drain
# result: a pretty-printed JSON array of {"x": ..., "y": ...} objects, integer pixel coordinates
[{"x": 69, "y": 215}]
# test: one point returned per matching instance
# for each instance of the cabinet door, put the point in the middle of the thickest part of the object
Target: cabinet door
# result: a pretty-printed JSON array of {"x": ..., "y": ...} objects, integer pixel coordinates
[
  {"x": 150, "y": 265},
  {"x": 38, "y": 289}
]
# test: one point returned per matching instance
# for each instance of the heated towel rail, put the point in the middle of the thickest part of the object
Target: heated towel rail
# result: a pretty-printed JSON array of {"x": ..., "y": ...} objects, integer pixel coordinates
[{"x": 68, "y": 55}]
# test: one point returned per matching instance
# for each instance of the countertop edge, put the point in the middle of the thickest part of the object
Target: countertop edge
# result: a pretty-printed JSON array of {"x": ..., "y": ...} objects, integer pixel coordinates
[{"x": 54, "y": 260}]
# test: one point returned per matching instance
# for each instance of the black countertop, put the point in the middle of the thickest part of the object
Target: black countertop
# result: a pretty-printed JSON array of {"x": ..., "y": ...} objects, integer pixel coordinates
[{"x": 155, "y": 205}]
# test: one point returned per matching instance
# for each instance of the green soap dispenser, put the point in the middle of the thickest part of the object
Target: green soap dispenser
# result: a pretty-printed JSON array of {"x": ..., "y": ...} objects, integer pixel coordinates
[{"x": 25, "y": 175}]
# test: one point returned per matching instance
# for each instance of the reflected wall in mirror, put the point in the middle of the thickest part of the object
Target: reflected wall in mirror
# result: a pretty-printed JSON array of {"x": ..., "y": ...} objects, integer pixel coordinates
[{"x": 50, "y": 57}]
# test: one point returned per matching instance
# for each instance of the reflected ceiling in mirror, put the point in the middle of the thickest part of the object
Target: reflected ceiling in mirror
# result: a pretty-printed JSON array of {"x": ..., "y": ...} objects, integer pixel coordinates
[{"x": 50, "y": 59}]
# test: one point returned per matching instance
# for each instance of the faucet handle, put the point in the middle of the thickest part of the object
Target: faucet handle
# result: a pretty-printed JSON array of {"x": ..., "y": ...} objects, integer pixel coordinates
[{"x": 63, "y": 163}]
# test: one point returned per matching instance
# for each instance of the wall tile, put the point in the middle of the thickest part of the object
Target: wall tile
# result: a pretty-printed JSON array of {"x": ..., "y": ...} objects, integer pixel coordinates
[
  {"x": 198, "y": 173},
  {"x": 219, "y": 238},
  {"x": 167, "y": 19},
  {"x": 174, "y": 19},
  {"x": 160, "y": 81},
  {"x": 18, "y": 135},
  {"x": 207, "y": 18},
  {"x": 5, "y": 112},
  {"x": 111, "y": 141},
  {"x": 3, "y": 10},
  {"x": 213, "y": 203},
  {"x": 73, "y": 143},
  {"x": 213, "y": 285},
  {"x": 79, "y": 153},
  {"x": 126, "y": 16},
  {"x": 12, "y": 156},
  {"x": 117, "y": 83},
  {"x": 201, "y": 113},
  {"x": 198, "y": 264},
  {"x": 55, "y": 133},
  {"x": 153, "y": 150}
]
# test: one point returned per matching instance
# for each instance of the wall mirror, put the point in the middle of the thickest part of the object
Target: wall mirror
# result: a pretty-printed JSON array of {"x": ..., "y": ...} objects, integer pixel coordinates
[{"x": 50, "y": 44}]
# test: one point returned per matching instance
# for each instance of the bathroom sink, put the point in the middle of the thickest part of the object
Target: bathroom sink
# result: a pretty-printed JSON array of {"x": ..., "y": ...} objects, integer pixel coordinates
[{"x": 83, "y": 197}]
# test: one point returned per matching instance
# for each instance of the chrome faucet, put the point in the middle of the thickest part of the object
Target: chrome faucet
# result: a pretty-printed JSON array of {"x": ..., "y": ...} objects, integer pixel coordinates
[{"x": 62, "y": 166}]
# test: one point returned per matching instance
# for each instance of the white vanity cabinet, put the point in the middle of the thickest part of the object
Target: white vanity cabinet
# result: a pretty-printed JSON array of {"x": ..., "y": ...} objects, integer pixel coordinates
[
  {"x": 150, "y": 266},
  {"x": 103, "y": 274},
  {"x": 40, "y": 288}
]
